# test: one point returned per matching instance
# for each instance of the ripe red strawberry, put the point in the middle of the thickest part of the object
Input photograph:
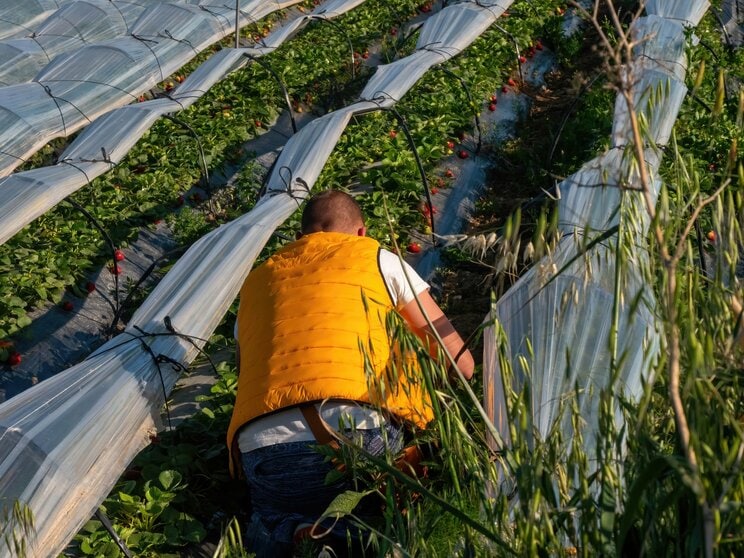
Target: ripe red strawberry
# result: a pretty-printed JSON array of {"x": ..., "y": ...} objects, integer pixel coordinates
[
  {"x": 462, "y": 154},
  {"x": 90, "y": 286},
  {"x": 119, "y": 255},
  {"x": 394, "y": 31},
  {"x": 711, "y": 236},
  {"x": 450, "y": 144},
  {"x": 14, "y": 358},
  {"x": 67, "y": 306},
  {"x": 538, "y": 44},
  {"x": 504, "y": 89},
  {"x": 393, "y": 134},
  {"x": 115, "y": 269},
  {"x": 365, "y": 54},
  {"x": 493, "y": 98},
  {"x": 258, "y": 124},
  {"x": 448, "y": 173},
  {"x": 522, "y": 60},
  {"x": 434, "y": 191},
  {"x": 511, "y": 82},
  {"x": 141, "y": 99},
  {"x": 492, "y": 107},
  {"x": 414, "y": 247}
]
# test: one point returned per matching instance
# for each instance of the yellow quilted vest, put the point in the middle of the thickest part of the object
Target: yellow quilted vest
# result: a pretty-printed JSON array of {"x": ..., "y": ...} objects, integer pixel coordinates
[{"x": 309, "y": 317}]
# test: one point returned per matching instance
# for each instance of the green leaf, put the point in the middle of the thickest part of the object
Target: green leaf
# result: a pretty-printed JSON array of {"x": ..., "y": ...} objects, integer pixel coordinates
[
  {"x": 344, "y": 504},
  {"x": 126, "y": 498},
  {"x": 207, "y": 411},
  {"x": 169, "y": 479}
]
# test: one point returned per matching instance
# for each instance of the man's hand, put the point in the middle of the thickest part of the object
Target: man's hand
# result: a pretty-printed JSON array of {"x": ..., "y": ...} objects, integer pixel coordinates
[{"x": 452, "y": 340}]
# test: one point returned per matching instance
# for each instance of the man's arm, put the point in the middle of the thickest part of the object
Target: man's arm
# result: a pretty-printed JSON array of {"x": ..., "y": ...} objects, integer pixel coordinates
[{"x": 452, "y": 340}]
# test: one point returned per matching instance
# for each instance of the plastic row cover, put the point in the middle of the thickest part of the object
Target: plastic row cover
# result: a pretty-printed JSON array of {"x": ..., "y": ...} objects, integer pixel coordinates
[
  {"x": 552, "y": 327},
  {"x": 72, "y": 26},
  {"x": 103, "y": 144},
  {"x": 76, "y": 88},
  {"x": 18, "y": 16},
  {"x": 64, "y": 441}
]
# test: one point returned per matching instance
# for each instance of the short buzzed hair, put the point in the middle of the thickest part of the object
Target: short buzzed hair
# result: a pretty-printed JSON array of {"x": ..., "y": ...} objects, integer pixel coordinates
[{"x": 332, "y": 211}]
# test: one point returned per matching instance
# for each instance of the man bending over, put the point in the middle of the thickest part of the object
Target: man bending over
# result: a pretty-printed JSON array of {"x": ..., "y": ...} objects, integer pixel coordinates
[{"x": 310, "y": 332}]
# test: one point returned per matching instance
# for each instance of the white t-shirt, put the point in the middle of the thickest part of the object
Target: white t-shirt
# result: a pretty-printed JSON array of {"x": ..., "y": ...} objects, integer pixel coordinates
[{"x": 289, "y": 425}]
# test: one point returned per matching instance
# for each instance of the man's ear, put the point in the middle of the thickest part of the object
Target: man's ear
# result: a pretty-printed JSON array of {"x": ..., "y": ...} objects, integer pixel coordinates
[{"x": 362, "y": 231}]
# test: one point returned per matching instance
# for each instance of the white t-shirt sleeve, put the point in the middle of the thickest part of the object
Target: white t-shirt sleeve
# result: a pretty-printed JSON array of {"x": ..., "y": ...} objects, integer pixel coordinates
[{"x": 402, "y": 289}]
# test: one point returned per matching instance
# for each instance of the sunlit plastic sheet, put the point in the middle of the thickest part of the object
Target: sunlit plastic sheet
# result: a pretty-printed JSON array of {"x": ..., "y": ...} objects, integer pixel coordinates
[
  {"x": 83, "y": 84},
  {"x": 445, "y": 35},
  {"x": 103, "y": 144},
  {"x": 64, "y": 441},
  {"x": 655, "y": 95},
  {"x": 563, "y": 305},
  {"x": 557, "y": 328},
  {"x": 589, "y": 200},
  {"x": 18, "y": 17},
  {"x": 688, "y": 11},
  {"x": 660, "y": 45},
  {"x": 306, "y": 153},
  {"x": 71, "y": 27}
]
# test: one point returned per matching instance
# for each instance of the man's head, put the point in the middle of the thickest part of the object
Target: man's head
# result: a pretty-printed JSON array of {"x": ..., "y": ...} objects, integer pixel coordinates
[{"x": 333, "y": 211}]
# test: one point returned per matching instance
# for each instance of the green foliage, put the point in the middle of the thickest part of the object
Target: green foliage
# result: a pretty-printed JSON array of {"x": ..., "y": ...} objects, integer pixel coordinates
[
  {"x": 16, "y": 527},
  {"x": 176, "y": 488}
]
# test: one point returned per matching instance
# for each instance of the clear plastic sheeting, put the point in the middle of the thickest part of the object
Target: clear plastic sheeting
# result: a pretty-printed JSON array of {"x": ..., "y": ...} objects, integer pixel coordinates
[
  {"x": 445, "y": 35},
  {"x": 658, "y": 97},
  {"x": 576, "y": 360},
  {"x": 18, "y": 17},
  {"x": 552, "y": 327},
  {"x": 589, "y": 199},
  {"x": 88, "y": 81},
  {"x": 103, "y": 144},
  {"x": 666, "y": 50},
  {"x": 69, "y": 28},
  {"x": 688, "y": 11},
  {"x": 73, "y": 434}
]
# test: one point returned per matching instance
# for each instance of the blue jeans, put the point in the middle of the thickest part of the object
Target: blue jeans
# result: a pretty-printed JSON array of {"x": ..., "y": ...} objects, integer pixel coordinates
[{"x": 287, "y": 486}]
